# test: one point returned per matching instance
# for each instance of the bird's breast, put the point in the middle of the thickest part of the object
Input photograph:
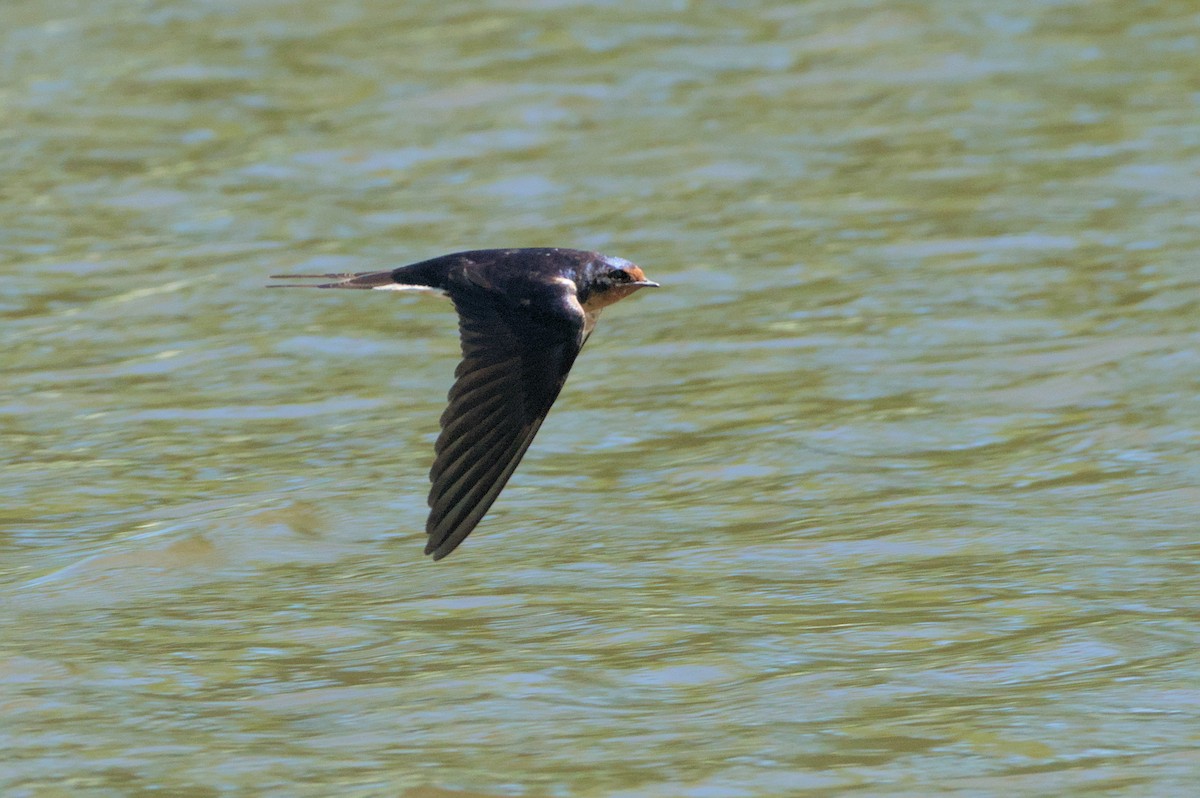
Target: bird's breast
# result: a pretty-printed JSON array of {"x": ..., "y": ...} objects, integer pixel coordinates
[{"x": 589, "y": 321}]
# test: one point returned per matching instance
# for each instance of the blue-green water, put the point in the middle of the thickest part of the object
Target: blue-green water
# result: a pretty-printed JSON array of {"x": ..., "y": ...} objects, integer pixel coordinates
[{"x": 893, "y": 489}]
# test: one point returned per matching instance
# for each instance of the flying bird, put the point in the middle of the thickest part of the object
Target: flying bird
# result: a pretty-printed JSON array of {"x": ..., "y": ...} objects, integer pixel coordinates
[{"x": 523, "y": 316}]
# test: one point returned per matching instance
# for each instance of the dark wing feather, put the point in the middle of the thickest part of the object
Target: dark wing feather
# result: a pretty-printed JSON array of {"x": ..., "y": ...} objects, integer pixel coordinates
[{"x": 515, "y": 361}]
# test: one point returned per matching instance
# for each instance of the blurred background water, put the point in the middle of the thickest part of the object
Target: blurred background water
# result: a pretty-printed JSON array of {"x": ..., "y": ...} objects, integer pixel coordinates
[{"x": 892, "y": 489}]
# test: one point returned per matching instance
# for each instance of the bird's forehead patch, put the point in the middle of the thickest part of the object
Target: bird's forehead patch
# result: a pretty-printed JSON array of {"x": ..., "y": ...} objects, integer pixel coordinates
[{"x": 632, "y": 269}]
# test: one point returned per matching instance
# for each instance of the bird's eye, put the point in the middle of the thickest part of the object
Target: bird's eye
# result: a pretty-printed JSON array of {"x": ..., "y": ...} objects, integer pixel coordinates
[{"x": 619, "y": 276}]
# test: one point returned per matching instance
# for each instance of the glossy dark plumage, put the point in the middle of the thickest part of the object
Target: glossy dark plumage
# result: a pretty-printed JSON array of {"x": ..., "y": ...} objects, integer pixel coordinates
[{"x": 524, "y": 315}]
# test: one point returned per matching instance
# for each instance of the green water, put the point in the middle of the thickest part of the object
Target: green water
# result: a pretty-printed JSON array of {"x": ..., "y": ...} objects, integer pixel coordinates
[{"x": 892, "y": 490}]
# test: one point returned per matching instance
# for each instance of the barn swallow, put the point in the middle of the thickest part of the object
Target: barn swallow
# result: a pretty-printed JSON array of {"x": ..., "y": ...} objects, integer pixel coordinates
[{"x": 523, "y": 316}]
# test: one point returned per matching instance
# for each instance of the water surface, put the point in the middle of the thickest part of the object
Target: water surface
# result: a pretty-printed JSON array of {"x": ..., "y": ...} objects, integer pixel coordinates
[{"x": 891, "y": 490}]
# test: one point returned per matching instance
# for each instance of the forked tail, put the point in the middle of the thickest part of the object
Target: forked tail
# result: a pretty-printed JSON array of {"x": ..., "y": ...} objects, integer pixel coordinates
[{"x": 357, "y": 280}]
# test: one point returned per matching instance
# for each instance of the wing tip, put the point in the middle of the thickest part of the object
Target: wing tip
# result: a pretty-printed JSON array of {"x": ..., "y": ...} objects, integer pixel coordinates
[{"x": 439, "y": 550}]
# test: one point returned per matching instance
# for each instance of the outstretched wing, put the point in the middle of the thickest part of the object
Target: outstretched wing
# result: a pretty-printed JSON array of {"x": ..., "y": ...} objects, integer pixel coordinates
[{"x": 516, "y": 355}]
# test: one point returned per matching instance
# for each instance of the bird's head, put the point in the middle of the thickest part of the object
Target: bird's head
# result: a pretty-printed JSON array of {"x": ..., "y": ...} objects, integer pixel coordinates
[{"x": 606, "y": 280}]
